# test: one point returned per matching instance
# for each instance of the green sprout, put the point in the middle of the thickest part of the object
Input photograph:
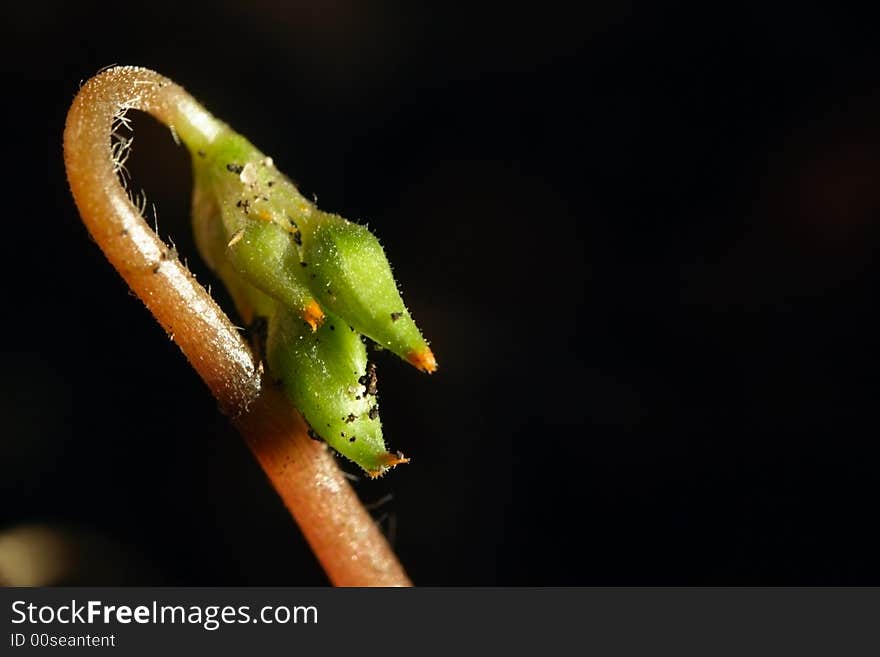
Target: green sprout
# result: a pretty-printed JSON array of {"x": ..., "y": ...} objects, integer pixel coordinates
[
  {"x": 314, "y": 281},
  {"x": 303, "y": 342}
]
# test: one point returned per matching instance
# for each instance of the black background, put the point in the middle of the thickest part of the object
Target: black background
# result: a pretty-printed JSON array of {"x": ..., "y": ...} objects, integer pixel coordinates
[{"x": 641, "y": 239}]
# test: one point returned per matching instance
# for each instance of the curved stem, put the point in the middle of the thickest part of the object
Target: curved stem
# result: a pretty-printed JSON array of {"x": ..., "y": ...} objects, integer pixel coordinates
[{"x": 342, "y": 534}]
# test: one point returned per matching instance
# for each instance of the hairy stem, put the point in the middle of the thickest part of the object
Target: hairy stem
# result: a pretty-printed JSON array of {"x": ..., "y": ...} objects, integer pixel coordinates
[{"x": 342, "y": 534}]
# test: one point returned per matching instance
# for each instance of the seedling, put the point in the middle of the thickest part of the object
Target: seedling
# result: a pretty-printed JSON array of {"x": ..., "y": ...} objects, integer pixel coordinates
[{"x": 314, "y": 280}]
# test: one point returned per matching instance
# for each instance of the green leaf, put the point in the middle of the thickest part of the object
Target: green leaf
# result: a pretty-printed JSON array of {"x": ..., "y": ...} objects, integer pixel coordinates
[
  {"x": 318, "y": 280},
  {"x": 326, "y": 375},
  {"x": 350, "y": 275}
]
